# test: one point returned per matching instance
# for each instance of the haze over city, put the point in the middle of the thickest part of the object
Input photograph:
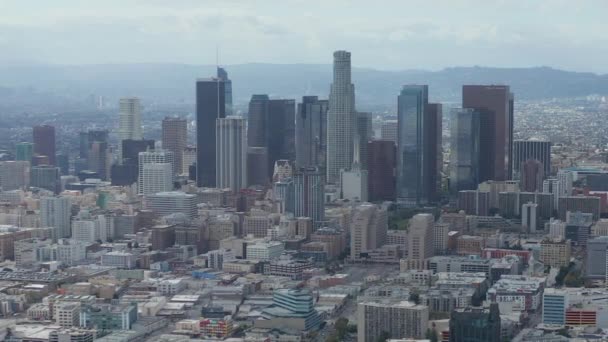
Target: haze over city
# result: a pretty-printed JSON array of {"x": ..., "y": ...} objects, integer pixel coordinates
[{"x": 303, "y": 171}]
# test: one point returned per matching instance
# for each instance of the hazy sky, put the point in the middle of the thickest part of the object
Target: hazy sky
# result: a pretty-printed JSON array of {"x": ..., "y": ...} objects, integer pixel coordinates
[{"x": 383, "y": 34}]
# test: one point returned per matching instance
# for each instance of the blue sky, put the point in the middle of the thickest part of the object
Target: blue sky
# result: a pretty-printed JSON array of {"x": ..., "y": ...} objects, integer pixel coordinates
[{"x": 383, "y": 34}]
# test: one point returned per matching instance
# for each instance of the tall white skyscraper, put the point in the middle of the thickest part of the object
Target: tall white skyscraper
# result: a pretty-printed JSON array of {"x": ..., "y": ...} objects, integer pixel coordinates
[
  {"x": 154, "y": 157},
  {"x": 341, "y": 119},
  {"x": 55, "y": 213},
  {"x": 231, "y": 153},
  {"x": 130, "y": 119}
]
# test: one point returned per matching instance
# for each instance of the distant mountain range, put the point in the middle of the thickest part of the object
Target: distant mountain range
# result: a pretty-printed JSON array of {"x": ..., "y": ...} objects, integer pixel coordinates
[{"x": 174, "y": 83}]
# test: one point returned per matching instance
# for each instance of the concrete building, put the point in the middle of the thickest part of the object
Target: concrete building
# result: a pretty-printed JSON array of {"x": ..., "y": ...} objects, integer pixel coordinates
[
  {"x": 175, "y": 139},
  {"x": 171, "y": 202},
  {"x": 129, "y": 125},
  {"x": 474, "y": 202},
  {"x": 368, "y": 226},
  {"x": 309, "y": 195},
  {"x": 231, "y": 153},
  {"x": 420, "y": 241},
  {"x": 399, "y": 319},
  {"x": 584, "y": 204},
  {"x": 265, "y": 250},
  {"x": 555, "y": 303},
  {"x": 595, "y": 263},
  {"x": 555, "y": 253},
  {"x": 14, "y": 175},
  {"x": 67, "y": 314},
  {"x": 529, "y": 216},
  {"x": 118, "y": 259},
  {"x": 341, "y": 119},
  {"x": 156, "y": 175},
  {"x": 45, "y": 177},
  {"x": 55, "y": 212}
]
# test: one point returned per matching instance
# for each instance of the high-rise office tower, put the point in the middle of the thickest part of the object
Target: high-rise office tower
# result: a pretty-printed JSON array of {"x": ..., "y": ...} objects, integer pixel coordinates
[
  {"x": 311, "y": 132},
  {"x": 272, "y": 125},
  {"x": 388, "y": 130},
  {"x": 341, "y": 119},
  {"x": 433, "y": 149},
  {"x": 100, "y": 159},
  {"x": 381, "y": 170},
  {"x": 353, "y": 182},
  {"x": 364, "y": 134},
  {"x": 83, "y": 147},
  {"x": 44, "y": 142},
  {"x": 257, "y": 118},
  {"x": 24, "y": 151},
  {"x": 63, "y": 162},
  {"x": 281, "y": 130},
  {"x": 531, "y": 149},
  {"x": 155, "y": 178},
  {"x": 130, "y": 119},
  {"x": 155, "y": 157},
  {"x": 532, "y": 175},
  {"x": 464, "y": 149},
  {"x": 529, "y": 215},
  {"x": 55, "y": 212},
  {"x": 420, "y": 241},
  {"x": 126, "y": 173},
  {"x": 495, "y": 103},
  {"x": 412, "y": 172},
  {"x": 257, "y": 166},
  {"x": 368, "y": 228},
  {"x": 309, "y": 194},
  {"x": 222, "y": 74},
  {"x": 210, "y": 105},
  {"x": 45, "y": 177},
  {"x": 14, "y": 174},
  {"x": 231, "y": 153},
  {"x": 175, "y": 139}
]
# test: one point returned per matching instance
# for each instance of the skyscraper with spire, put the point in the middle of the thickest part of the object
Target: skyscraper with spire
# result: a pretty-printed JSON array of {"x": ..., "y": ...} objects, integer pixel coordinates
[
  {"x": 341, "y": 119},
  {"x": 222, "y": 74}
]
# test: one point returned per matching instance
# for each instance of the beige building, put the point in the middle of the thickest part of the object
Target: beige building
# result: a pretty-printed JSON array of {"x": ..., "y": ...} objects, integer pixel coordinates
[
  {"x": 399, "y": 319},
  {"x": 470, "y": 245},
  {"x": 420, "y": 243},
  {"x": 555, "y": 253},
  {"x": 368, "y": 229}
]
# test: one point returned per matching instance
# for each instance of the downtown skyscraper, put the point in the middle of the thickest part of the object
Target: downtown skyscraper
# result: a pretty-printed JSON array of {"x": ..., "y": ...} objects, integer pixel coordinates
[
  {"x": 272, "y": 126},
  {"x": 44, "y": 142},
  {"x": 175, "y": 139},
  {"x": 311, "y": 132},
  {"x": 129, "y": 127},
  {"x": 341, "y": 119},
  {"x": 231, "y": 153},
  {"x": 210, "y": 106},
  {"x": 418, "y": 147},
  {"x": 495, "y": 105}
]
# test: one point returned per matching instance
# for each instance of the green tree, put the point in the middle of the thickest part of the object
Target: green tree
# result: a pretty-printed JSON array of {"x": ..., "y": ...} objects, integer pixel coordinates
[
  {"x": 383, "y": 336},
  {"x": 431, "y": 335},
  {"x": 341, "y": 327},
  {"x": 415, "y": 298}
]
